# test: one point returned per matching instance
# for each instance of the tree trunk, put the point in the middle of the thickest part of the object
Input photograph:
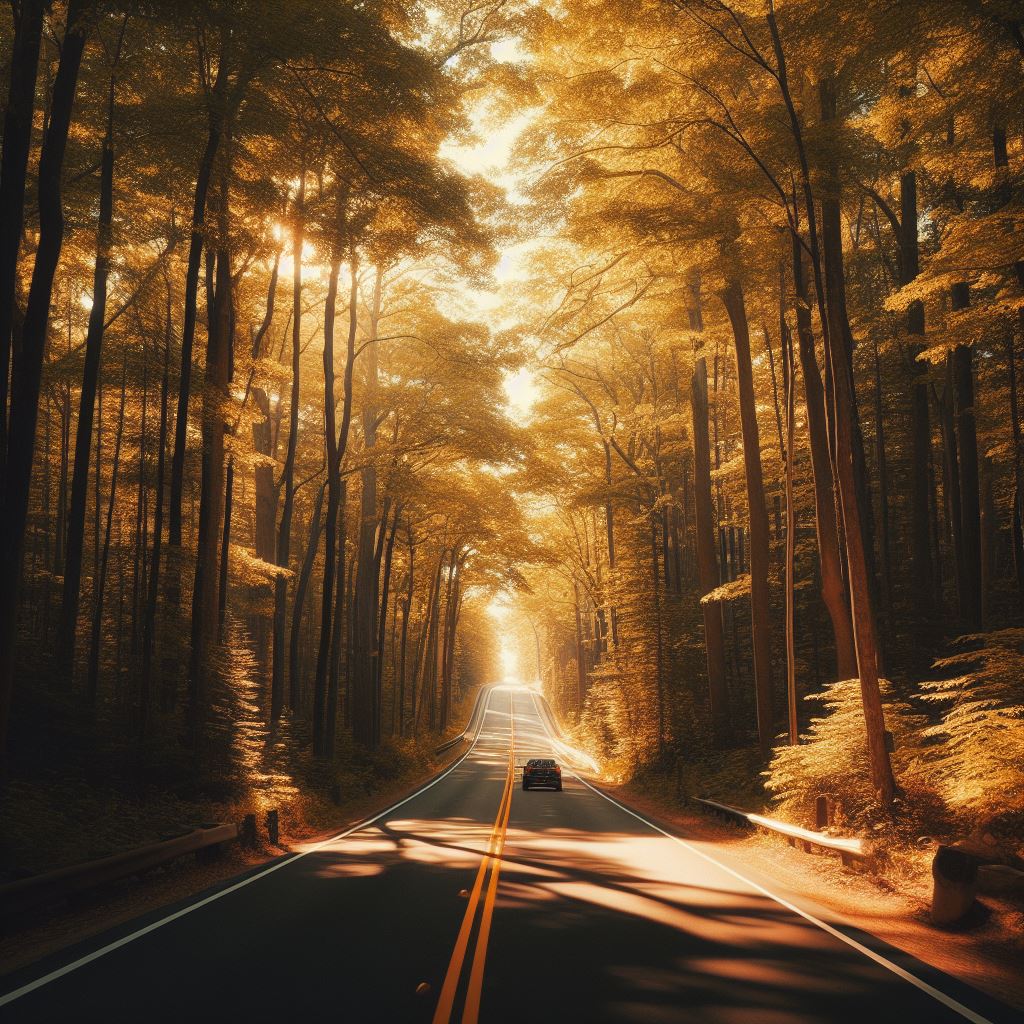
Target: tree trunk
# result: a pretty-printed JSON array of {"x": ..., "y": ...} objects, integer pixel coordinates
[
  {"x": 365, "y": 703},
  {"x": 406, "y": 608},
  {"x": 284, "y": 533},
  {"x": 581, "y": 665},
  {"x": 214, "y": 131},
  {"x": 301, "y": 589},
  {"x": 659, "y": 646},
  {"x": 28, "y": 362},
  {"x": 1017, "y": 518},
  {"x": 881, "y": 467},
  {"x": 60, "y": 524},
  {"x": 609, "y": 519},
  {"x": 17, "y": 142},
  {"x": 229, "y": 483},
  {"x": 448, "y": 654},
  {"x": 414, "y": 695},
  {"x": 760, "y": 605},
  {"x": 443, "y": 631},
  {"x": 389, "y": 551},
  {"x": 775, "y": 391},
  {"x": 989, "y": 531},
  {"x": 225, "y": 544},
  {"x": 789, "y": 387},
  {"x": 707, "y": 561},
  {"x": 833, "y": 587},
  {"x": 66, "y": 629},
  {"x": 97, "y": 503},
  {"x": 962, "y": 359},
  {"x": 849, "y": 476},
  {"x": 263, "y": 477},
  {"x": 216, "y": 397},
  {"x": 149, "y": 618},
  {"x": 921, "y": 433},
  {"x": 327, "y": 610},
  {"x": 92, "y": 686},
  {"x": 139, "y": 561},
  {"x": 951, "y": 480},
  {"x": 336, "y": 444},
  {"x": 342, "y": 586},
  {"x": 428, "y": 697},
  {"x": 840, "y": 338}
]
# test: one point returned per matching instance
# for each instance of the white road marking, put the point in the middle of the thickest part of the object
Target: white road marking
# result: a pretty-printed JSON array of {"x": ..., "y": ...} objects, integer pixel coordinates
[
  {"x": 936, "y": 994},
  {"x": 60, "y": 972}
]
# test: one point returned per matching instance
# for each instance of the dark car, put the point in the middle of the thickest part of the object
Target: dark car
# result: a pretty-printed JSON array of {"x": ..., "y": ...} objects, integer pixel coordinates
[{"x": 542, "y": 771}]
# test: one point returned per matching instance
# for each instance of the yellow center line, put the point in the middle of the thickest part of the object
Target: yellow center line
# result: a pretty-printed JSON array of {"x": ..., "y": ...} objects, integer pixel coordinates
[
  {"x": 471, "y": 1011},
  {"x": 442, "y": 1015}
]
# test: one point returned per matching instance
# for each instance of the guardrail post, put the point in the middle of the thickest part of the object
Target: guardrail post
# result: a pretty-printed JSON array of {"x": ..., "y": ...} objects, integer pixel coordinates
[
  {"x": 272, "y": 830},
  {"x": 955, "y": 874},
  {"x": 248, "y": 832},
  {"x": 822, "y": 812}
]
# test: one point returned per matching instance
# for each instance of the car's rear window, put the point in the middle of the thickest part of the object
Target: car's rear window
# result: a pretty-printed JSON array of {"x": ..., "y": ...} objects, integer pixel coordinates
[{"x": 540, "y": 762}]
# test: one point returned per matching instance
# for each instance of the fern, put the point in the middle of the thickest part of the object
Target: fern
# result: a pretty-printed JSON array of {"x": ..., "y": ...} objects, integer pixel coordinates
[
  {"x": 982, "y": 728},
  {"x": 832, "y": 760}
]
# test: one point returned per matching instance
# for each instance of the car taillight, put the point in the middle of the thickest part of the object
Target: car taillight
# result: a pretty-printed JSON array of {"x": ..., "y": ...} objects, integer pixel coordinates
[{"x": 558, "y": 770}]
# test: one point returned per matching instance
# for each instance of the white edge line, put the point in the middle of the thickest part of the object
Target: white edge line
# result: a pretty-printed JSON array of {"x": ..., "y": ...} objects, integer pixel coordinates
[
  {"x": 59, "y": 972},
  {"x": 936, "y": 994}
]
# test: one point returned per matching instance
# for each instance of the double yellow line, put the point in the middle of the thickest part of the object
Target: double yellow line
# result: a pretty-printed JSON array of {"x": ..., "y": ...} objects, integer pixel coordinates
[{"x": 491, "y": 862}]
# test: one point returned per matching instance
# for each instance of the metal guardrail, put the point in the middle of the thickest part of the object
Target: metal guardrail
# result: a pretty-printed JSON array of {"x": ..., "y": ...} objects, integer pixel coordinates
[
  {"x": 850, "y": 850},
  {"x": 28, "y": 893},
  {"x": 549, "y": 715},
  {"x": 471, "y": 726},
  {"x": 578, "y": 759}
]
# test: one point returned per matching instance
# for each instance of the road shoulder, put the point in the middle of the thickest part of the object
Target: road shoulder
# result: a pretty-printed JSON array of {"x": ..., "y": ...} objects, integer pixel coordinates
[
  {"x": 163, "y": 890},
  {"x": 987, "y": 956}
]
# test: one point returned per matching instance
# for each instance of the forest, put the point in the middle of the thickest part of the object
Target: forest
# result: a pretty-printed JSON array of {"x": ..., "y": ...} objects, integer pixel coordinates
[
  {"x": 777, "y": 445},
  {"x": 354, "y": 354}
]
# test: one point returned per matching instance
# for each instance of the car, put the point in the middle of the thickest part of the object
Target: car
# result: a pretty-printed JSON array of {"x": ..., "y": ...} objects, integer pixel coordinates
[{"x": 542, "y": 771}]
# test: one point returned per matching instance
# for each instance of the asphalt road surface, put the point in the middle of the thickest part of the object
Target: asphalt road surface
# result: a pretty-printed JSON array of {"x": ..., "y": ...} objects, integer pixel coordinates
[{"x": 473, "y": 900}]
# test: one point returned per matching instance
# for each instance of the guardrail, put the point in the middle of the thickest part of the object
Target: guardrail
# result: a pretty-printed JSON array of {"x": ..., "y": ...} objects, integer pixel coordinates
[
  {"x": 850, "y": 850},
  {"x": 541, "y": 702},
  {"x": 29, "y": 893},
  {"x": 472, "y": 725},
  {"x": 578, "y": 759}
]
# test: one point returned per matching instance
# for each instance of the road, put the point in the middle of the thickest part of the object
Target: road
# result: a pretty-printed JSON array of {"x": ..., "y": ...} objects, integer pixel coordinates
[{"x": 473, "y": 900}]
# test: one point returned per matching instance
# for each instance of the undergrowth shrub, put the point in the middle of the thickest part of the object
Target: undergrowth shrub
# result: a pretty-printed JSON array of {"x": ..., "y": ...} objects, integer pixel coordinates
[
  {"x": 981, "y": 735},
  {"x": 832, "y": 760}
]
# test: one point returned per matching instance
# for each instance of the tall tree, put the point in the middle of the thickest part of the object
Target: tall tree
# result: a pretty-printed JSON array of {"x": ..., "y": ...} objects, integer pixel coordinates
[{"x": 28, "y": 362}]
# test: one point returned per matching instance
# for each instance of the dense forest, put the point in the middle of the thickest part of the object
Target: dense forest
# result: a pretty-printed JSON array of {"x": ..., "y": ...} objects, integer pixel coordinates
[
  {"x": 268, "y": 516},
  {"x": 251, "y": 437},
  {"x": 778, "y": 452}
]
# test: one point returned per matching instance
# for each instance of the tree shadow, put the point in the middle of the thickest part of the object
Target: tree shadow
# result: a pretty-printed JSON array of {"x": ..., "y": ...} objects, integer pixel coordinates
[{"x": 598, "y": 918}]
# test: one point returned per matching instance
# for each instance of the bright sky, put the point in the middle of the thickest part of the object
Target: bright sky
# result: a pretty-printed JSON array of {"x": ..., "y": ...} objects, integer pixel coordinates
[
  {"x": 500, "y": 609},
  {"x": 490, "y": 156},
  {"x": 521, "y": 388}
]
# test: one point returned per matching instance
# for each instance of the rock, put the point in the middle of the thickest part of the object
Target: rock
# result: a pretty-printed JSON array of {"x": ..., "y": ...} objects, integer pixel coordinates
[
  {"x": 955, "y": 873},
  {"x": 1000, "y": 880}
]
